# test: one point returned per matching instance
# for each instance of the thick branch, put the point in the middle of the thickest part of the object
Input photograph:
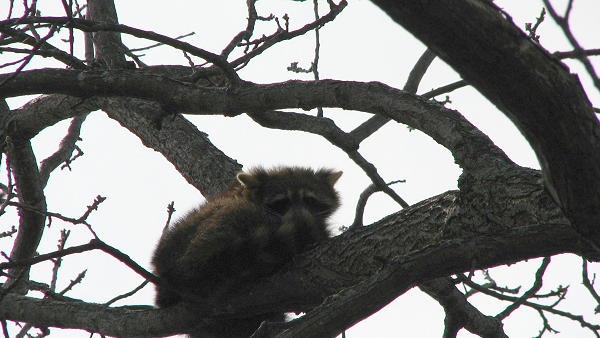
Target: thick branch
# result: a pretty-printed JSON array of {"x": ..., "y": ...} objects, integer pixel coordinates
[
  {"x": 201, "y": 163},
  {"x": 109, "y": 47},
  {"x": 528, "y": 84},
  {"x": 31, "y": 224},
  {"x": 453, "y": 237},
  {"x": 447, "y": 127}
]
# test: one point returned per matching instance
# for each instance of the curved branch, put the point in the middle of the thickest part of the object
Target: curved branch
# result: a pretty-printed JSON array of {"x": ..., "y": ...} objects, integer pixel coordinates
[
  {"x": 46, "y": 49},
  {"x": 469, "y": 146},
  {"x": 532, "y": 87},
  {"x": 463, "y": 241},
  {"x": 93, "y": 26},
  {"x": 65, "y": 150},
  {"x": 27, "y": 179},
  {"x": 459, "y": 312},
  {"x": 282, "y": 35}
]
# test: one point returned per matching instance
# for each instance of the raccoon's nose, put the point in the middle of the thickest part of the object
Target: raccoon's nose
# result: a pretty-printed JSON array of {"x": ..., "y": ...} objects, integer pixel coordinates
[{"x": 295, "y": 219}]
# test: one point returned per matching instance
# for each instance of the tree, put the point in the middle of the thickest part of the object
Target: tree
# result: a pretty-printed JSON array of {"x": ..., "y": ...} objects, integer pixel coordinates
[{"x": 502, "y": 213}]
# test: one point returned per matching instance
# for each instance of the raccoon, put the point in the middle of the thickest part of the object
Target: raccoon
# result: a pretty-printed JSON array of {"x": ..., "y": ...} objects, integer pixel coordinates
[{"x": 247, "y": 232}]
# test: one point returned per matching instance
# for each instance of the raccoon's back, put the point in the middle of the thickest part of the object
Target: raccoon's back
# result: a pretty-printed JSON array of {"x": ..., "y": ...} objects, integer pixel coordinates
[{"x": 215, "y": 249}]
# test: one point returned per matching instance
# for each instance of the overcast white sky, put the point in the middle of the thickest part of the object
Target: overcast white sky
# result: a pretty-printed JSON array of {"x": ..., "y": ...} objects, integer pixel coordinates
[{"x": 362, "y": 44}]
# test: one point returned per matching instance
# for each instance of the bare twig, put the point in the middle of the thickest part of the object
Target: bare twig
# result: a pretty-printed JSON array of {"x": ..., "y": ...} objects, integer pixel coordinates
[
  {"x": 73, "y": 282},
  {"x": 81, "y": 220},
  {"x": 373, "y": 124},
  {"x": 9, "y": 233},
  {"x": 69, "y": 12},
  {"x": 529, "y": 293},
  {"x": 64, "y": 234},
  {"x": 282, "y": 34},
  {"x": 26, "y": 60},
  {"x": 46, "y": 49},
  {"x": 575, "y": 54},
  {"x": 315, "y": 65},
  {"x": 563, "y": 23},
  {"x": 537, "y": 307},
  {"x": 445, "y": 89},
  {"x": 362, "y": 202},
  {"x": 92, "y": 245},
  {"x": 128, "y": 294},
  {"x": 160, "y": 44},
  {"x": 66, "y": 148},
  {"x": 589, "y": 285},
  {"x": 92, "y": 26},
  {"x": 532, "y": 29},
  {"x": 371, "y": 171},
  {"x": 170, "y": 211}
]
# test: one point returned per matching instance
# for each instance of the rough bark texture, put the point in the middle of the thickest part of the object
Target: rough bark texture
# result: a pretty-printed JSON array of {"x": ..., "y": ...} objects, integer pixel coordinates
[{"x": 533, "y": 88}]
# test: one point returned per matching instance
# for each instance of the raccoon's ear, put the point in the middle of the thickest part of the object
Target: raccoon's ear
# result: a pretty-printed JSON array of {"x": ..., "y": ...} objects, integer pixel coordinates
[
  {"x": 248, "y": 180},
  {"x": 333, "y": 177}
]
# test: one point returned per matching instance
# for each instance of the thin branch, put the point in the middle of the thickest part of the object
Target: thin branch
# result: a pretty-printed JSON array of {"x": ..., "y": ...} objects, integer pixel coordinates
[
  {"x": 532, "y": 29},
  {"x": 69, "y": 12},
  {"x": 415, "y": 76},
  {"x": 371, "y": 171},
  {"x": 73, "y": 282},
  {"x": 93, "y": 26},
  {"x": 445, "y": 89},
  {"x": 547, "y": 326},
  {"x": 574, "y": 54},
  {"x": 362, "y": 202},
  {"x": 81, "y": 220},
  {"x": 245, "y": 34},
  {"x": 170, "y": 211},
  {"x": 160, "y": 44},
  {"x": 315, "y": 65},
  {"x": 64, "y": 234},
  {"x": 589, "y": 285},
  {"x": 92, "y": 245},
  {"x": 45, "y": 50},
  {"x": 563, "y": 23},
  {"x": 128, "y": 294},
  {"x": 459, "y": 312},
  {"x": 26, "y": 60},
  {"x": 281, "y": 34},
  {"x": 535, "y": 306},
  {"x": 66, "y": 148},
  {"x": 529, "y": 293}
]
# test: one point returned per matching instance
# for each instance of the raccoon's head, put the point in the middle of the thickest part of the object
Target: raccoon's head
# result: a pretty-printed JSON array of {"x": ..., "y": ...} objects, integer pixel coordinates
[{"x": 285, "y": 190}]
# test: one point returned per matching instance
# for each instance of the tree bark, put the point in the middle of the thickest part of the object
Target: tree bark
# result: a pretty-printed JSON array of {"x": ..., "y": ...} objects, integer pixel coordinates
[{"x": 533, "y": 88}]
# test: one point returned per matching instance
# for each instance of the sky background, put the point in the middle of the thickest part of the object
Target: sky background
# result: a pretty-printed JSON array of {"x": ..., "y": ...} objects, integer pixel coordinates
[{"x": 362, "y": 44}]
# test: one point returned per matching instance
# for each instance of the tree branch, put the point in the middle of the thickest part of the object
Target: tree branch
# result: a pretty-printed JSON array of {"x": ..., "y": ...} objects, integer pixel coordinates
[
  {"x": 65, "y": 150},
  {"x": 529, "y": 85},
  {"x": 442, "y": 124},
  {"x": 459, "y": 312},
  {"x": 31, "y": 224}
]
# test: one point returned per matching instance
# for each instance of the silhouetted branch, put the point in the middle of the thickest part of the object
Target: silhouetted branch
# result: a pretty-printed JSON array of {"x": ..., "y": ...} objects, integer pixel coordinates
[{"x": 66, "y": 148}]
